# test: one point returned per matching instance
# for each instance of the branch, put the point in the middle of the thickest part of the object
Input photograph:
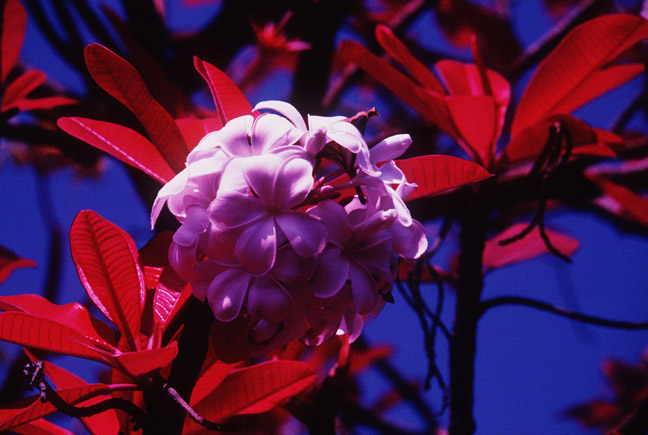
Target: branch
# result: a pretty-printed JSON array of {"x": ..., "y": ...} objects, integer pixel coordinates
[
  {"x": 36, "y": 376},
  {"x": 166, "y": 417},
  {"x": 403, "y": 387},
  {"x": 469, "y": 284},
  {"x": 173, "y": 394},
  {"x": 543, "y": 306},
  {"x": 621, "y": 121},
  {"x": 353, "y": 414}
]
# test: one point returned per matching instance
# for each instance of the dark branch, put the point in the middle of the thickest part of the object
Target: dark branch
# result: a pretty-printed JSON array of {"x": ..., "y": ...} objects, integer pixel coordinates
[
  {"x": 173, "y": 394},
  {"x": 543, "y": 306},
  {"x": 36, "y": 378},
  {"x": 403, "y": 387},
  {"x": 620, "y": 122}
]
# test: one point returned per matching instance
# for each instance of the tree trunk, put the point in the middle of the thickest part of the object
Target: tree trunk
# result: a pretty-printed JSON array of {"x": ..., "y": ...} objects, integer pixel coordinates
[{"x": 469, "y": 286}]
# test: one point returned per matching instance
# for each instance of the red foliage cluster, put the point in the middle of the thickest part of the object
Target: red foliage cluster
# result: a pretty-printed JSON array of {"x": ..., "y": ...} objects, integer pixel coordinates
[{"x": 150, "y": 307}]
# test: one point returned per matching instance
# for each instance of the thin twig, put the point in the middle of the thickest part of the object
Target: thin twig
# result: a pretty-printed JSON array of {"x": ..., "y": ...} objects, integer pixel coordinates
[
  {"x": 403, "y": 387},
  {"x": 546, "y": 307},
  {"x": 427, "y": 336},
  {"x": 437, "y": 323},
  {"x": 440, "y": 238}
]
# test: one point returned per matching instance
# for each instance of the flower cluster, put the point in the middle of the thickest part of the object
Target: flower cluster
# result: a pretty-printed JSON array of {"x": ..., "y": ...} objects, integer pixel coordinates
[{"x": 291, "y": 223}]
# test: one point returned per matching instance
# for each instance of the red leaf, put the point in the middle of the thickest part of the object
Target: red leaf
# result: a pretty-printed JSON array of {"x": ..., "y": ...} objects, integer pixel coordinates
[
  {"x": 170, "y": 296},
  {"x": 400, "y": 53},
  {"x": 104, "y": 423},
  {"x": 464, "y": 79},
  {"x": 156, "y": 251},
  {"x": 118, "y": 77},
  {"x": 31, "y": 408},
  {"x": 171, "y": 292},
  {"x": 362, "y": 359},
  {"x": 19, "y": 88},
  {"x": 152, "y": 276},
  {"x": 211, "y": 379},
  {"x": 195, "y": 129},
  {"x": 436, "y": 174},
  {"x": 574, "y": 63},
  {"x": 598, "y": 149},
  {"x": 256, "y": 389},
  {"x": 228, "y": 98},
  {"x": 528, "y": 144},
  {"x": 145, "y": 361},
  {"x": 622, "y": 201},
  {"x": 430, "y": 105},
  {"x": 72, "y": 315},
  {"x": 108, "y": 265},
  {"x": 167, "y": 93},
  {"x": 406, "y": 267},
  {"x": 476, "y": 120},
  {"x": 12, "y": 32},
  {"x": 598, "y": 83},
  {"x": 45, "y": 103},
  {"x": 527, "y": 248},
  {"x": 121, "y": 142},
  {"x": 33, "y": 331},
  {"x": 40, "y": 427},
  {"x": 10, "y": 262}
]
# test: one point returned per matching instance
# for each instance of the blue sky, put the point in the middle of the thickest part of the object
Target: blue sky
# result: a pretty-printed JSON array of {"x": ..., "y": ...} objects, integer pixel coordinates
[{"x": 530, "y": 365}]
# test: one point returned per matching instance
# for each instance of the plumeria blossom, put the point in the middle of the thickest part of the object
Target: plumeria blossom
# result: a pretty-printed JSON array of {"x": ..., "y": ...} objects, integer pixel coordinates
[{"x": 270, "y": 232}]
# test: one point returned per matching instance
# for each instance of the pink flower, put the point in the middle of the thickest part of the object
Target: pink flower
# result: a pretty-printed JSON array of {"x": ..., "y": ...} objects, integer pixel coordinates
[
  {"x": 276, "y": 187},
  {"x": 259, "y": 238},
  {"x": 323, "y": 130},
  {"x": 359, "y": 253}
]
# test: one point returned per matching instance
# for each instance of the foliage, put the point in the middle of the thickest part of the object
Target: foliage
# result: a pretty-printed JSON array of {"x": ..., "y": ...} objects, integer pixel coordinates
[{"x": 175, "y": 366}]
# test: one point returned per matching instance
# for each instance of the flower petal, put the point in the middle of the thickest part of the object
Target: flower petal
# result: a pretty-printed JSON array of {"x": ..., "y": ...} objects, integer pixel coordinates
[
  {"x": 270, "y": 132},
  {"x": 409, "y": 242},
  {"x": 235, "y": 209},
  {"x": 256, "y": 249},
  {"x": 351, "y": 324},
  {"x": 363, "y": 288},
  {"x": 183, "y": 259},
  {"x": 233, "y": 137},
  {"x": 285, "y": 109},
  {"x": 306, "y": 234},
  {"x": 269, "y": 298},
  {"x": 195, "y": 223},
  {"x": 260, "y": 173},
  {"x": 293, "y": 182},
  {"x": 227, "y": 293},
  {"x": 331, "y": 274},
  {"x": 347, "y": 136},
  {"x": 323, "y": 122},
  {"x": 290, "y": 268},
  {"x": 336, "y": 220},
  {"x": 173, "y": 187},
  {"x": 265, "y": 331},
  {"x": 218, "y": 244},
  {"x": 390, "y": 148}
]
